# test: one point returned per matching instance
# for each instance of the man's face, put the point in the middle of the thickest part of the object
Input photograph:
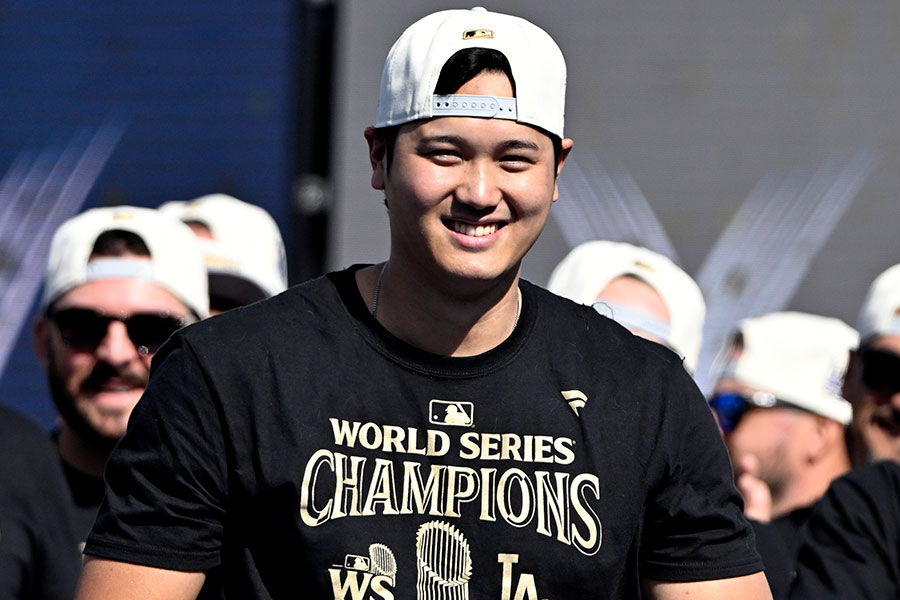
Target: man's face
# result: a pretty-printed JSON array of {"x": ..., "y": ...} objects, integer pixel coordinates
[
  {"x": 775, "y": 436},
  {"x": 96, "y": 388},
  {"x": 468, "y": 196},
  {"x": 876, "y": 407}
]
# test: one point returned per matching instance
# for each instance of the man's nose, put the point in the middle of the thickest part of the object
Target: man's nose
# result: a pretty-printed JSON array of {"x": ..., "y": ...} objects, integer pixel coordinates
[
  {"x": 116, "y": 347},
  {"x": 479, "y": 188}
]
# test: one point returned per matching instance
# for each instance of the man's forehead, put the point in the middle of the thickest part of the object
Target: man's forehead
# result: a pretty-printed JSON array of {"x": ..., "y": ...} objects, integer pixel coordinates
[{"x": 476, "y": 130}]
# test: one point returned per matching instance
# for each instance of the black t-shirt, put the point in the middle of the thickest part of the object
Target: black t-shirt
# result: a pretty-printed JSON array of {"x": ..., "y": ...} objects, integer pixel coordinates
[
  {"x": 850, "y": 547},
  {"x": 39, "y": 557},
  {"x": 777, "y": 542},
  {"x": 301, "y": 446},
  {"x": 87, "y": 493}
]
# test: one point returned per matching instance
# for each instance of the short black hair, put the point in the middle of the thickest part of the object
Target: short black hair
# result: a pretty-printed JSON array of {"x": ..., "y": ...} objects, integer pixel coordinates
[
  {"x": 459, "y": 69},
  {"x": 118, "y": 242},
  {"x": 466, "y": 64}
]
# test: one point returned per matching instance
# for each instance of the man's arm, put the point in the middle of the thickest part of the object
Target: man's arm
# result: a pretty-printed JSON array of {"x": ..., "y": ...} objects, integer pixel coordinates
[
  {"x": 102, "y": 579},
  {"x": 747, "y": 587}
]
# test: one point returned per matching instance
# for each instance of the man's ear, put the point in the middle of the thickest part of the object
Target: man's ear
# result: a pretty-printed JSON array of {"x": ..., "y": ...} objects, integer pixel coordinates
[
  {"x": 828, "y": 435},
  {"x": 41, "y": 338},
  {"x": 567, "y": 145},
  {"x": 377, "y": 157}
]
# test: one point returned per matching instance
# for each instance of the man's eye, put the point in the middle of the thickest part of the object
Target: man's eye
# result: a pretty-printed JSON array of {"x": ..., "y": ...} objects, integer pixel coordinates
[
  {"x": 514, "y": 161},
  {"x": 443, "y": 154}
]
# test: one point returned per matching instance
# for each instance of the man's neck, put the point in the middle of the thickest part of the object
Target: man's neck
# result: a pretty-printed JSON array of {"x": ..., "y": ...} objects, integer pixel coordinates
[
  {"x": 446, "y": 321},
  {"x": 808, "y": 487},
  {"x": 78, "y": 454}
]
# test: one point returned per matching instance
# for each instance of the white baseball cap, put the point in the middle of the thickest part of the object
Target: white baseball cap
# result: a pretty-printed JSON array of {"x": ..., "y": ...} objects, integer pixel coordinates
[
  {"x": 880, "y": 314},
  {"x": 414, "y": 64},
  {"x": 796, "y": 357},
  {"x": 246, "y": 258},
  {"x": 591, "y": 266},
  {"x": 176, "y": 259}
]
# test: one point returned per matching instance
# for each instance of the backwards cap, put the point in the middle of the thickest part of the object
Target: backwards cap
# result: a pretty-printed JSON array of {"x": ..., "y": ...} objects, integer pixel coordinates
[
  {"x": 880, "y": 314},
  {"x": 176, "y": 260},
  {"x": 246, "y": 246},
  {"x": 414, "y": 64},
  {"x": 591, "y": 266},
  {"x": 796, "y": 357}
]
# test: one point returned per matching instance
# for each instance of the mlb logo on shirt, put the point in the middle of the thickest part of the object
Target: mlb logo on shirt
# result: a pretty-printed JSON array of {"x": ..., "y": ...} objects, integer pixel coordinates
[
  {"x": 356, "y": 562},
  {"x": 448, "y": 412}
]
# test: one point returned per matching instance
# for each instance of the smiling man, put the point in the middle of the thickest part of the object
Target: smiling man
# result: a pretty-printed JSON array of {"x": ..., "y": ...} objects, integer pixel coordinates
[
  {"x": 431, "y": 426},
  {"x": 119, "y": 281}
]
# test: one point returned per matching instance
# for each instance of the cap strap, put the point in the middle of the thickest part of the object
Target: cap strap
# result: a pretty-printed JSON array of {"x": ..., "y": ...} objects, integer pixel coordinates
[
  {"x": 113, "y": 268},
  {"x": 465, "y": 105}
]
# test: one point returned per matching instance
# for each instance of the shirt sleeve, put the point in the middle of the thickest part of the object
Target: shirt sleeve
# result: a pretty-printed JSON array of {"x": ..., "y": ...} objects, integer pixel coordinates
[
  {"x": 166, "y": 479},
  {"x": 851, "y": 545},
  {"x": 694, "y": 527}
]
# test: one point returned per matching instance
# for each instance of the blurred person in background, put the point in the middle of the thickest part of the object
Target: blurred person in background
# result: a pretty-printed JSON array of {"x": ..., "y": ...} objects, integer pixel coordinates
[
  {"x": 851, "y": 546},
  {"x": 872, "y": 384},
  {"x": 244, "y": 250},
  {"x": 777, "y": 400},
  {"x": 119, "y": 281},
  {"x": 641, "y": 289},
  {"x": 39, "y": 557}
]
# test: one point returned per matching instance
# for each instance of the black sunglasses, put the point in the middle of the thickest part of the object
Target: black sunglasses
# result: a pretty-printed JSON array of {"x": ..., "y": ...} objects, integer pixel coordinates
[
  {"x": 84, "y": 329},
  {"x": 880, "y": 370},
  {"x": 731, "y": 407}
]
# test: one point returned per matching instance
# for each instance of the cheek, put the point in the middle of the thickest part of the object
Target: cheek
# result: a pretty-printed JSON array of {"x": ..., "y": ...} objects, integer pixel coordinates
[
  {"x": 71, "y": 367},
  {"x": 533, "y": 197},
  {"x": 756, "y": 432}
]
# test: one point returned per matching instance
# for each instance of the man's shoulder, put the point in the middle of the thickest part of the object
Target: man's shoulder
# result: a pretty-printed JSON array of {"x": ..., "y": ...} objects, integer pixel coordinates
[
  {"x": 591, "y": 331},
  {"x": 303, "y": 305},
  {"x": 17, "y": 429},
  {"x": 879, "y": 481}
]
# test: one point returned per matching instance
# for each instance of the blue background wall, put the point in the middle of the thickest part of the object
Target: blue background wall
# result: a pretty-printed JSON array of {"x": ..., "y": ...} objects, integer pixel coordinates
[{"x": 206, "y": 90}]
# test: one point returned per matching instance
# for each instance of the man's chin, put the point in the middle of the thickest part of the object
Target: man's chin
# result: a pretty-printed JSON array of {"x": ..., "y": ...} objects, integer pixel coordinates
[{"x": 107, "y": 414}]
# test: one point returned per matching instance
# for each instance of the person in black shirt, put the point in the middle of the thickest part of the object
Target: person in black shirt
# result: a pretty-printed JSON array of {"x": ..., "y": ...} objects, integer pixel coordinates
[
  {"x": 39, "y": 558},
  {"x": 430, "y": 426}
]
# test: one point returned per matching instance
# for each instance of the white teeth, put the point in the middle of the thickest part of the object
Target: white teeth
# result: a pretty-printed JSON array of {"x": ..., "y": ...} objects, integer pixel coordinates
[{"x": 472, "y": 230}]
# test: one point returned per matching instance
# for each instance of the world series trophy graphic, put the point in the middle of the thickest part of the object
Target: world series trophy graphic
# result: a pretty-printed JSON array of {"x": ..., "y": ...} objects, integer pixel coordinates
[
  {"x": 443, "y": 562},
  {"x": 383, "y": 562}
]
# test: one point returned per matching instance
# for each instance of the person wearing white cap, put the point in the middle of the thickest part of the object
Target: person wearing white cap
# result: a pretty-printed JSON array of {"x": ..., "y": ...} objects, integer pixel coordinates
[
  {"x": 431, "y": 426},
  {"x": 245, "y": 255},
  {"x": 872, "y": 384},
  {"x": 851, "y": 546},
  {"x": 641, "y": 289},
  {"x": 119, "y": 281},
  {"x": 778, "y": 403}
]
